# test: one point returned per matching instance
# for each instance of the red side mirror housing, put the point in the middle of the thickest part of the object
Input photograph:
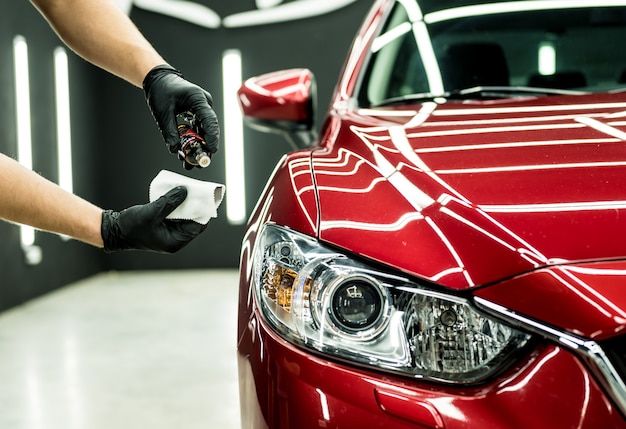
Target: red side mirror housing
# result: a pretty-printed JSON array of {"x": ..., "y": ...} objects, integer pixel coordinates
[{"x": 282, "y": 101}]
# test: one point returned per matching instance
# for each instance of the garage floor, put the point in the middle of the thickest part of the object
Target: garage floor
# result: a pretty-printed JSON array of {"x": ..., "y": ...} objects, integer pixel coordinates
[{"x": 140, "y": 350}]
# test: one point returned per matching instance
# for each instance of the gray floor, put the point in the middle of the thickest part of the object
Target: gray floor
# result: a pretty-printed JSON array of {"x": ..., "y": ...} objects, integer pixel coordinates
[{"x": 140, "y": 350}]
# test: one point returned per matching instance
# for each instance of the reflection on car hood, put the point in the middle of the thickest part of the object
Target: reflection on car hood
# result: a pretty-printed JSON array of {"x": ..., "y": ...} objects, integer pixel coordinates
[{"x": 465, "y": 194}]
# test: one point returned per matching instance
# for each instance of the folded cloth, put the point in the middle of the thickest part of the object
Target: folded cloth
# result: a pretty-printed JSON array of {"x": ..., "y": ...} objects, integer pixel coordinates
[{"x": 203, "y": 198}]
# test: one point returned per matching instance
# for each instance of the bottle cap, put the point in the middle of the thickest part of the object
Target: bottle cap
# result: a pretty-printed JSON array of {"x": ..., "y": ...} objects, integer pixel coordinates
[{"x": 203, "y": 160}]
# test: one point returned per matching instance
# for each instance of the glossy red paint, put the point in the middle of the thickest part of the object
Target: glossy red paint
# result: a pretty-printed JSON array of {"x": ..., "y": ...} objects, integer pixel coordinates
[
  {"x": 284, "y": 387},
  {"x": 359, "y": 52},
  {"x": 296, "y": 210},
  {"x": 588, "y": 300},
  {"x": 439, "y": 192},
  {"x": 280, "y": 96},
  {"x": 515, "y": 201}
]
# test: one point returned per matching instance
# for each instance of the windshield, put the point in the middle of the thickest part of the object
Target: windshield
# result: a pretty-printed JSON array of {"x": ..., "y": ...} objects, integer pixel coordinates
[{"x": 436, "y": 47}]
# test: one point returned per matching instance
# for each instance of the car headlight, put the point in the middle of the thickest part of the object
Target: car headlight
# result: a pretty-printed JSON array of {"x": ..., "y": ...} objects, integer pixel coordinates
[{"x": 327, "y": 302}]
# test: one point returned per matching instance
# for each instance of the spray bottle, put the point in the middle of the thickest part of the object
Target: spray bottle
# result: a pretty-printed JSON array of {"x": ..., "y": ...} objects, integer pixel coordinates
[{"x": 192, "y": 146}]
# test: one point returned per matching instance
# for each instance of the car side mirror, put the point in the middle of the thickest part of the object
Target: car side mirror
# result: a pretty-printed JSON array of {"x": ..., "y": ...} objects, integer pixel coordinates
[{"x": 282, "y": 102}]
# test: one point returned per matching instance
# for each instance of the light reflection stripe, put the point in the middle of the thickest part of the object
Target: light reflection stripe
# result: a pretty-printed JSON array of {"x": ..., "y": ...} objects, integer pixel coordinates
[
  {"x": 446, "y": 273},
  {"x": 341, "y": 189},
  {"x": 532, "y": 167},
  {"x": 554, "y": 207},
  {"x": 528, "y": 109},
  {"x": 516, "y": 6},
  {"x": 427, "y": 53},
  {"x": 524, "y": 381},
  {"x": 508, "y": 120},
  {"x": 450, "y": 248},
  {"x": 594, "y": 271},
  {"x": 496, "y": 130},
  {"x": 377, "y": 227},
  {"x": 603, "y": 128},
  {"x": 513, "y": 145},
  {"x": 387, "y": 113},
  {"x": 412, "y": 8},
  {"x": 324, "y": 404},
  {"x": 472, "y": 225},
  {"x": 529, "y": 249},
  {"x": 595, "y": 293},
  {"x": 580, "y": 293},
  {"x": 356, "y": 167},
  {"x": 391, "y": 35},
  {"x": 399, "y": 139},
  {"x": 303, "y": 207}
]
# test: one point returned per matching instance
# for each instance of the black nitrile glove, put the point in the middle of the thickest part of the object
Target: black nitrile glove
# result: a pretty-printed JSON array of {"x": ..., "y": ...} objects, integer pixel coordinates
[
  {"x": 145, "y": 227},
  {"x": 169, "y": 94}
]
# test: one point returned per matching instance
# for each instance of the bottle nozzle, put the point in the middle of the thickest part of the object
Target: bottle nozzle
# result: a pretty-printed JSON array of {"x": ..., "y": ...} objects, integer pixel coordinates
[{"x": 203, "y": 160}]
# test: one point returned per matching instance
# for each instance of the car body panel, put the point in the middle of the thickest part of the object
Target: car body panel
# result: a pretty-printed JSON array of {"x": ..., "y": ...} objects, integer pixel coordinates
[
  {"x": 509, "y": 200},
  {"x": 285, "y": 387},
  {"x": 298, "y": 210},
  {"x": 284, "y": 95},
  {"x": 588, "y": 300},
  {"x": 438, "y": 190}
]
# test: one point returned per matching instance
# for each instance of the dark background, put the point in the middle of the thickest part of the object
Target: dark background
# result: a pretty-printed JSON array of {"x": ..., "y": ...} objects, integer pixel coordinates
[{"x": 116, "y": 147}]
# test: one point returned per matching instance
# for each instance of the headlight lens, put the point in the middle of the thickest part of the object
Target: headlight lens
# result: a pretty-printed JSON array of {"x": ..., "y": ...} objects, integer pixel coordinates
[{"x": 325, "y": 301}]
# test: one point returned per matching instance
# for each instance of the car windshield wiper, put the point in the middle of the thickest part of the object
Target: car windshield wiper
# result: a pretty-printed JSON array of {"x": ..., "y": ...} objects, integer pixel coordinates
[
  {"x": 477, "y": 93},
  {"x": 506, "y": 91}
]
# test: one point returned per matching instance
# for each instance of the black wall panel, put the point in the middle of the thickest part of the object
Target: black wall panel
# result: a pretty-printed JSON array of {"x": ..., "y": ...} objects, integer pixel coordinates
[
  {"x": 63, "y": 262},
  {"x": 116, "y": 147}
]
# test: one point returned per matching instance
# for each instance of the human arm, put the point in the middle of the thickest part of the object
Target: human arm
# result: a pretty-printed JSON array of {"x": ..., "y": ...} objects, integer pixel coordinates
[
  {"x": 27, "y": 198},
  {"x": 100, "y": 33}
]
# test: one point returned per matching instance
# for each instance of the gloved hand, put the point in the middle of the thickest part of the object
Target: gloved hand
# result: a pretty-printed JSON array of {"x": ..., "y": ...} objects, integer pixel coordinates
[
  {"x": 146, "y": 227},
  {"x": 169, "y": 94}
]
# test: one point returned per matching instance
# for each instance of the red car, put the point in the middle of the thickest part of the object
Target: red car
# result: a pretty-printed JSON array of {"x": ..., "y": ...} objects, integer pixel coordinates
[{"x": 450, "y": 252}]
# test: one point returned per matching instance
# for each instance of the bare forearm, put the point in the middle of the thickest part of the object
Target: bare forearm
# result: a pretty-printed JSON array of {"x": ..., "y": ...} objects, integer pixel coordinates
[
  {"x": 100, "y": 33},
  {"x": 27, "y": 198}
]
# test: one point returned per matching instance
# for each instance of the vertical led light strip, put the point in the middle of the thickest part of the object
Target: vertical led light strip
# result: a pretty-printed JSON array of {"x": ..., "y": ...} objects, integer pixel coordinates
[
  {"x": 22, "y": 110},
  {"x": 233, "y": 139},
  {"x": 64, "y": 135}
]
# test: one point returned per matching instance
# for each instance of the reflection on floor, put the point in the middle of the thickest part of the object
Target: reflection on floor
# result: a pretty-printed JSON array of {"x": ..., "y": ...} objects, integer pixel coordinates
[{"x": 139, "y": 350}]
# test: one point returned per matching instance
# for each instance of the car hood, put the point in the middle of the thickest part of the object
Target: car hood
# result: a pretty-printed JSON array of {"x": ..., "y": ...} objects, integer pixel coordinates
[{"x": 466, "y": 194}]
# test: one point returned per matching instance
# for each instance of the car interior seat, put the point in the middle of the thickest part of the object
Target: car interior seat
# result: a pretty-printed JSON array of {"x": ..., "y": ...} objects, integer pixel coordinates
[
  {"x": 560, "y": 80},
  {"x": 466, "y": 65}
]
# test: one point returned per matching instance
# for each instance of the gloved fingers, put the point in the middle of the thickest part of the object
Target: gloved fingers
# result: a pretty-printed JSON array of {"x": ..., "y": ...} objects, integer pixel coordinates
[
  {"x": 181, "y": 233},
  {"x": 200, "y": 105},
  {"x": 211, "y": 129},
  {"x": 184, "y": 229},
  {"x": 166, "y": 204},
  {"x": 209, "y": 97},
  {"x": 169, "y": 129}
]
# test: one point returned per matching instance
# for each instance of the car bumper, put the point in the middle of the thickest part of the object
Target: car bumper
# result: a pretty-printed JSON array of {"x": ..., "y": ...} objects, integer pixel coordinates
[{"x": 284, "y": 387}]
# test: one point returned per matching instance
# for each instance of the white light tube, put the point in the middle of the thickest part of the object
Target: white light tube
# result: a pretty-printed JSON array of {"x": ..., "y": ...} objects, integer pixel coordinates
[
  {"x": 281, "y": 12},
  {"x": 516, "y": 6},
  {"x": 22, "y": 114},
  {"x": 547, "y": 59},
  {"x": 264, "y": 4},
  {"x": 64, "y": 134},
  {"x": 427, "y": 53},
  {"x": 233, "y": 139}
]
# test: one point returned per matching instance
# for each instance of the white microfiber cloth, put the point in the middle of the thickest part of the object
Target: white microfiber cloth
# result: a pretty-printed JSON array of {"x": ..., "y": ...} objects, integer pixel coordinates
[{"x": 203, "y": 198}]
